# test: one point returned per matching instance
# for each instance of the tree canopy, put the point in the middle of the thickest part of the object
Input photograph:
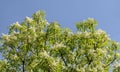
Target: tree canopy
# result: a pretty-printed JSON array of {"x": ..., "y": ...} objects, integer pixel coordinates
[{"x": 35, "y": 45}]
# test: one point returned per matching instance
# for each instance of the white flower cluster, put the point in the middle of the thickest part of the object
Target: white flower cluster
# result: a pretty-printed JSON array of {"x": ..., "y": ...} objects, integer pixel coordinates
[
  {"x": 103, "y": 51},
  {"x": 59, "y": 45},
  {"x": 14, "y": 57},
  {"x": 91, "y": 20},
  {"x": 55, "y": 25},
  {"x": 28, "y": 19},
  {"x": 70, "y": 33},
  {"x": 6, "y": 37},
  {"x": 32, "y": 29},
  {"x": 45, "y": 54},
  {"x": 54, "y": 63},
  {"x": 100, "y": 31},
  {"x": 84, "y": 34},
  {"x": 17, "y": 25},
  {"x": 47, "y": 23},
  {"x": 117, "y": 64},
  {"x": 14, "y": 32}
]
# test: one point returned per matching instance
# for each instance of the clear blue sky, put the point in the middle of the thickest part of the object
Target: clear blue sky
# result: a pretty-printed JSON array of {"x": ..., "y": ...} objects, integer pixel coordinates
[{"x": 66, "y": 12}]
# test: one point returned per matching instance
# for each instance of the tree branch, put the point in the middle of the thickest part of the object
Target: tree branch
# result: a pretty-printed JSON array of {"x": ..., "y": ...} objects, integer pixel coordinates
[
  {"x": 89, "y": 60},
  {"x": 112, "y": 60},
  {"x": 23, "y": 66},
  {"x": 63, "y": 58}
]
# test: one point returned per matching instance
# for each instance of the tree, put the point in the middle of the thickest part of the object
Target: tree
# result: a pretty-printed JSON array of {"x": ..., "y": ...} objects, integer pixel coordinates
[{"x": 37, "y": 46}]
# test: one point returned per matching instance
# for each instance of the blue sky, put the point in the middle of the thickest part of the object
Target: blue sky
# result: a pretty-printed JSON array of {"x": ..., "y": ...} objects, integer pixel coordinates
[{"x": 66, "y": 12}]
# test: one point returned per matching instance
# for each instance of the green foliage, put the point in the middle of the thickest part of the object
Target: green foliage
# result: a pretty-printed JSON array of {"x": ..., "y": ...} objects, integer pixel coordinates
[{"x": 37, "y": 46}]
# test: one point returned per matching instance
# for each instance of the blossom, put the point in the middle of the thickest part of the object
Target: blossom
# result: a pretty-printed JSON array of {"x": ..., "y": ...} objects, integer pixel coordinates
[
  {"x": 54, "y": 63},
  {"x": 13, "y": 37},
  {"x": 101, "y": 50},
  {"x": 6, "y": 37},
  {"x": 59, "y": 45},
  {"x": 16, "y": 25},
  {"x": 100, "y": 31},
  {"x": 47, "y": 23},
  {"x": 15, "y": 56},
  {"x": 28, "y": 19},
  {"x": 91, "y": 20},
  {"x": 85, "y": 34},
  {"x": 45, "y": 54},
  {"x": 32, "y": 29},
  {"x": 116, "y": 65}
]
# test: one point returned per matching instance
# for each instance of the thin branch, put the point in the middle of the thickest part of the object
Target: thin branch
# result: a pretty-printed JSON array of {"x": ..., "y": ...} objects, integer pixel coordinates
[
  {"x": 63, "y": 58},
  {"x": 23, "y": 65},
  {"x": 89, "y": 60},
  {"x": 112, "y": 60}
]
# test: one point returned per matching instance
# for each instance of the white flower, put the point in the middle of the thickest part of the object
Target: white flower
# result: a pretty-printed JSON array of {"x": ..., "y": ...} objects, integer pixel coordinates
[
  {"x": 15, "y": 56},
  {"x": 100, "y": 31},
  {"x": 109, "y": 56},
  {"x": 116, "y": 65},
  {"x": 85, "y": 34},
  {"x": 14, "y": 32},
  {"x": 46, "y": 22},
  {"x": 54, "y": 63},
  {"x": 45, "y": 54},
  {"x": 13, "y": 37},
  {"x": 17, "y": 25},
  {"x": 91, "y": 20},
  {"x": 70, "y": 33},
  {"x": 101, "y": 50},
  {"x": 6, "y": 37},
  {"x": 28, "y": 19},
  {"x": 78, "y": 32},
  {"x": 91, "y": 50},
  {"x": 59, "y": 45},
  {"x": 32, "y": 28}
]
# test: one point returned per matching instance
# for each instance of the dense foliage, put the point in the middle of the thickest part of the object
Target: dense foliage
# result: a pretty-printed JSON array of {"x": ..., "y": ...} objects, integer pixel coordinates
[{"x": 38, "y": 46}]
